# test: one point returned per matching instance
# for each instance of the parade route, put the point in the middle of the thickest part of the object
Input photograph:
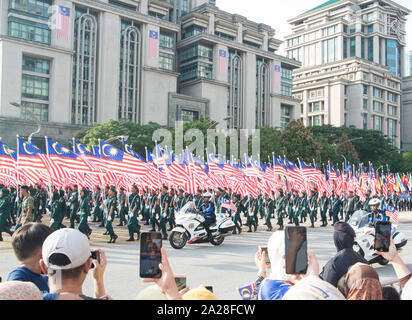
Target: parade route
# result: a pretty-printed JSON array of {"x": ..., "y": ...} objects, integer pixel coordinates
[{"x": 225, "y": 267}]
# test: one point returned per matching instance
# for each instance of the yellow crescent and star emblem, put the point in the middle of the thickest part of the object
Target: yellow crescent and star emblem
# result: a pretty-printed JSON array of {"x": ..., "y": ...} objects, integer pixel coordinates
[
  {"x": 25, "y": 148},
  {"x": 246, "y": 293},
  {"x": 8, "y": 151},
  {"x": 128, "y": 149},
  {"x": 55, "y": 149},
  {"x": 112, "y": 151}
]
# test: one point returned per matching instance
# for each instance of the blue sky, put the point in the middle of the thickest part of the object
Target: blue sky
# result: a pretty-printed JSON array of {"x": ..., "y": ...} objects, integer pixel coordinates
[{"x": 276, "y": 13}]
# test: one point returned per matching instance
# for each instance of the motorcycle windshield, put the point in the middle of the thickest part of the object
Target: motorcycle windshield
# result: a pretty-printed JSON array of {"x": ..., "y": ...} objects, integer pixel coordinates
[
  {"x": 188, "y": 208},
  {"x": 359, "y": 219}
]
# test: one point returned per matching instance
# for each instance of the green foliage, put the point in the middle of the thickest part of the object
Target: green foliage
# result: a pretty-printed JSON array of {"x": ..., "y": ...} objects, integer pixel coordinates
[{"x": 406, "y": 162}]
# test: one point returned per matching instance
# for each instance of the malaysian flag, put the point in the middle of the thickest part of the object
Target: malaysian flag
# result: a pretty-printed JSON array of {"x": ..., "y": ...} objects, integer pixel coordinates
[
  {"x": 8, "y": 158},
  {"x": 153, "y": 44},
  {"x": 222, "y": 62},
  {"x": 228, "y": 204},
  {"x": 392, "y": 212},
  {"x": 63, "y": 21},
  {"x": 276, "y": 79}
]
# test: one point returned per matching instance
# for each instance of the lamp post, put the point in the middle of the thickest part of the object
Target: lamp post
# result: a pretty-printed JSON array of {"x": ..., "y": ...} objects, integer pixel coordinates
[
  {"x": 343, "y": 143},
  {"x": 121, "y": 138},
  {"x": 17, "y": 105}
]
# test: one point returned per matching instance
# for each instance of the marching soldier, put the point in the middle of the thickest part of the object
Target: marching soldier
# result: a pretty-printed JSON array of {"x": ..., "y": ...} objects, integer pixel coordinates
[
  {"x": 296, "y": 207},
  {"x": 122, "y": 208},
  {"x": 109, "y": 208},
  {"x": 152, "y": 199},
  {"x": 324, "y": 204},
  {"x": 304, "y": 207},
  {"x": 269, "y": 209},
  {"x": 252, "y": 213},
  {"x": 5, "y": 211},
  {"x": 281, "y": 202},
  {"x": 366, "y": 206},
  {"x": 134, "y": 208},
  {"x": 54, "y": 211},
  {"x": 84, "y": 208},
  {"x": 336, "y": 208},
  {"x": 198, "y": 199},
  {"x": 74, "y": 206},
  {"x": 146, "y": 206},
  {"x": 349, "y": 206},
  {"x": 236, "y": 215},
  {"x": 97, "y": 211},
  {"x": 313, "y": 207},
  {"x": 162, "y": 206},
  {"x": 178, "y": 203}
]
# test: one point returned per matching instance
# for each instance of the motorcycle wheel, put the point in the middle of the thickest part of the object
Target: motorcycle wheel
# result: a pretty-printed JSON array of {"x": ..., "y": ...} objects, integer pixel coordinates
[
  {"x": 383, "y": 262},
  {"x": 177, "y": 240},
  {"x": 217, "y": 241}
]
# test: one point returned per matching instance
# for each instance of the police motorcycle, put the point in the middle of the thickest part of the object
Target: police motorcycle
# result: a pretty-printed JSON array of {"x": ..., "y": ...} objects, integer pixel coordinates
[
  {"x": 362, "y": 223},
  {"x": 189, "y": 228}
]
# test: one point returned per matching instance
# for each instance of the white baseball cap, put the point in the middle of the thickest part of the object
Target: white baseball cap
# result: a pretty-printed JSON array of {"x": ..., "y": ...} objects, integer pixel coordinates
[{"x": 66, "y": 249}]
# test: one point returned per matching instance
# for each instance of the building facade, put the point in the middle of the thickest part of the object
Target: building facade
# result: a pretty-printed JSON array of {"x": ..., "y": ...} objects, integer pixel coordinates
[
  {"x": 407, "y": 113},
  {"x": 409, "y": 64},
  {"x": 74, "y": 63},
  {"x": 352, "y": 55}
]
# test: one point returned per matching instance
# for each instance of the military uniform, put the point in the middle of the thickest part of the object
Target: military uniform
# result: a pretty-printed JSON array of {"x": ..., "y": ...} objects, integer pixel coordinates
[
  {"x": 74, "y": 208},
  {"x": 269, "y": 208},
  {"x": 122, "y": 209},
  {"x": 97, "y": 211},
  {"x": 180, "y": 202},
  {"x": 236, "y": 217},
  {"x": 132, "y": 222},
  {"x": 84, "y": 208},
  {"x": 110, "y": 205},
  {"x": 252, "y": 215},
  {"x": 313, "y": 209},
  {"x": 281, "y": 203},
  {"x": 324, "y": 204},
  {"x": 163, "y": 204},
  {"x": 5, "y": 211},
  {"x": 28, "y": 203},
  {"x": 154, "y": 212},
  {"x": 336, "y": 208},
  {"x": 349, "y": 208}
]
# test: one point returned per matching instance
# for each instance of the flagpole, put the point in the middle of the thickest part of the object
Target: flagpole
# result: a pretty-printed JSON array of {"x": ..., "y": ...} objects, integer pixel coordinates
[{"x": 17, "y": 162}]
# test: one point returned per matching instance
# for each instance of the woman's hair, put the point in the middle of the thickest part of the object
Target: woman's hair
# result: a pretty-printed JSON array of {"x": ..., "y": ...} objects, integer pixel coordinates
[{"x": 362, "y": 283}]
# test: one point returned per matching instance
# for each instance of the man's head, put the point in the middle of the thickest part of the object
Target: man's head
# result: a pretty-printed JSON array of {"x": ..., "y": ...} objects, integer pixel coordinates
[
  {"x": 4, "y": 192},
  {"x": 28, "y": 240},
  {"x": 206, "y": 197},
  {"x": 181, "y": 193},
  {"x": 121, "y": 190},
  {"x": 66, "y": 253},
  {"x": 344, "y": 236},
  {"x": 24, "y": 191},
  {"x": 198, "y": 192},
  {"x": 112, "y": 192},
  {"x": 375, "y": 204},
  {"x": 75, "y": 187},
  {"x": 135, "y": 189}
]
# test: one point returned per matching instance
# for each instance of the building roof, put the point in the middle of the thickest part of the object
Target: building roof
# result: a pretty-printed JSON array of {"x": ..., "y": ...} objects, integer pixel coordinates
[{"x": 327, "y": 3}]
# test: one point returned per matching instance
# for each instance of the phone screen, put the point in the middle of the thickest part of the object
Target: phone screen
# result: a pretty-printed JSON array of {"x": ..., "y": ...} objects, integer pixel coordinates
[
  {"x": 382, "y": 236},
  {"x": 296, "y": 250},
  {"x": 150, "y": 255},
  {"x": 180, "y": 282},
  {"x": 265, "y": 249}
]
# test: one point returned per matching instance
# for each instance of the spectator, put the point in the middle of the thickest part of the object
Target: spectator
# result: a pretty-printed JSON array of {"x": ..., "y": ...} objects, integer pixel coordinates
[
  {"x": 66, "y": 258},
  {"x": 407, "y": 291},
  {"x": 200, "y": 293},
  {"x": 390, "y": 293},
  {"x": 313, "y": 288},
  {"x": 278, "y": 283},
  {"x": 338, "y": 266},
  {"x": 27, "y": 244},
  {"x": 362, "y": 283},
  {"x": 19, "y": 290},
  {"x": 151, "y": 293}
]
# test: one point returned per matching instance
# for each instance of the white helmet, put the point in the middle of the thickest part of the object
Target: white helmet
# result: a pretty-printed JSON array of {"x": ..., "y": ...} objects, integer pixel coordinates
[
  {"x": 207, "y": 194},
  {"x": 375, "y": 202}
]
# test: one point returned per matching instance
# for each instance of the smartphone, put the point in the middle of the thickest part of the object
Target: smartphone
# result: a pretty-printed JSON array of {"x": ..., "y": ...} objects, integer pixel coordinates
[
  {"x": 180, "y": 282},
  {"x": 265, "y": 249},
  {"x": 296, "y": 250},
  {"x": 95, "y": 256},
  {"x": 150, "y": 255},
  {"x": 382, "y": 236},
  {"x": 210, "y": 288}
]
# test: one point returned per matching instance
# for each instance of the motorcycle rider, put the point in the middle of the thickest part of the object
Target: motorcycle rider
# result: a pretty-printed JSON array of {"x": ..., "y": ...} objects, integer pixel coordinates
[
  {"x": 376, "y": 214},
  {"x": 208, "y": 210}
]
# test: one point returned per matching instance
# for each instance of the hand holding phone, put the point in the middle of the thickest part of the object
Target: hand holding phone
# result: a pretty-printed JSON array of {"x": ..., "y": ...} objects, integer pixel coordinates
[
  {"x": 382, "y": 236},
  {"x": 180, "y": 282},
  {"x": 265, "y": 250},
  {"x": 296, "y": 250},
  {"x": 95, "y": 256},
  {"x": 150, "y": 255}
]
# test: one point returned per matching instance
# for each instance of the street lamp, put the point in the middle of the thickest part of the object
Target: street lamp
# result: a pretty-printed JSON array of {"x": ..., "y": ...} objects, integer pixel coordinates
[
  {"x": 343, "y": 143},
  {"x": 121, "y": 138},
  {"x": 17, "y": 105}
]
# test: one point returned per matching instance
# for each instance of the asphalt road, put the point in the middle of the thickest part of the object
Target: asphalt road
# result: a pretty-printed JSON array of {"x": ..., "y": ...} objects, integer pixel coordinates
[{"x": 225, "y": 267}]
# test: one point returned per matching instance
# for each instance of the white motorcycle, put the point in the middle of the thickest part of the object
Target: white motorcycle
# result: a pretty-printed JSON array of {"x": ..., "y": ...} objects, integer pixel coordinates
[
  {"x": 365, "y": 235},
  {"x": 189, "y": 228}
]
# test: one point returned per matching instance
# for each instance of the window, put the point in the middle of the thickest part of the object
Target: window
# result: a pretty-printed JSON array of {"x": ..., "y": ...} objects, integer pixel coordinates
[
  {"x": 378, "y": 93},
  {"x": 28, "y": 30},
  {"x": 392, "y": 110},
  {"x": 330, "y": 53},
  {"x": 353, "y": 47},
  {"x": 192, "y": 31},
  {"x": 345, "y": 48},
  {"x": 285, "y": 116},
  {"x": 378, "y": 106},
  {"x": 196, "y": 51},
  {"x": 370, "y": 49},
  {"x": 329, "y": 31},
  {"x": 370, "y": 28},
  {"x": 262, "y": 93},
  {"x": 377, "y": 123},
  {"x": 189, "y": 116},
  {"x": 38, "y": 8},
  {"x": 166, "y": 61},
  {"x": 35, "y": 87},
  {"x": 224, "y": 35},
  {"x": 365, "y": 104},
  {"x": 286, "y": 74},
  {"x": 166, "y": 41},
  {"x": 40, "y": 110},
  {"x": 393, "y": 56},
  {"x": 286, "y": 89},
  {"x": 392, "y": 97},
  {"x": 196, "y": 70},
  {"x": 365, "y": 121},
  {"x": 235, "y": 91},
  {"x": 316, "y": 106},
  {"x": 392, "y": 124},
  {"x": 295, "y": 54},
  {"x": 365, "y": 89},
  {"x": 36, "y": 65}
]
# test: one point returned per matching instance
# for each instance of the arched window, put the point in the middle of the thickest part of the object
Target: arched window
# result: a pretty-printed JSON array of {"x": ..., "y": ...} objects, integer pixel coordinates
[
  {"x": 235, "y": 97},
  {"x": 84, "y": 65},
  {"x": 262, "y": 94},
  {"x": 130, "y": 72}
]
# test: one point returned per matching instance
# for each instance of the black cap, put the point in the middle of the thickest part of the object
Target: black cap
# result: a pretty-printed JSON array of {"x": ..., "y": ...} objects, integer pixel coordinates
[
  {"x": 181, "y": 190},
  {"x": 113, "y": 189}
]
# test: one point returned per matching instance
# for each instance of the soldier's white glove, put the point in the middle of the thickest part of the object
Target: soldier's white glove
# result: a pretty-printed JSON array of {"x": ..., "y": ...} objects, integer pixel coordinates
[{"x": 109, "y": 218}]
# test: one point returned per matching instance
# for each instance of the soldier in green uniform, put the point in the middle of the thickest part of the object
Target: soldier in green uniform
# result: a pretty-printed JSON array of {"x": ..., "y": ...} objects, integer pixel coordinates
[
  {"x": 382, "y": 199},
  {"x": 366, "y": 206},
  {"x": 170, "y": 219},
  {"x": 261, "y": 206},
  {"x": 218, "y": 199},
  {"x": 153, "y": 209},
  {"x": 296, "y": 207},
  {"x": 358, "y": 203},
  {"x": 134, "y": 208},
  {"x": 236, "y": 215},
  {"x": 349, "y": 206},
  {"x": 74, "y": 206},
  {"x": 53, "y": 207},
  {"x": 198, "y": 199},
  {"x": 5, "y": 212},
  {"x": 289, "y": 207},
  {"x": 122, "y": 208},
  {"x": 281, "y": 203},
  {"x": 252, "y": 212},
  {"x": 27, "y": 208},
  {"x": 336, "y": 208},
  {"x": 313, "y": 207},
  {"x": 268, "y": 206},
  {"x": 97, "y": 201},
  {"x": 84, "y": 208},
  {"x": 324, "y": 204},
  {"x": 109, "y": 207},
  {"x": 146, "y": 206},
  {"x": 13, "y": 196},
  {"x": 162, "y": 207},
  {"x": 178, "y": 203}
]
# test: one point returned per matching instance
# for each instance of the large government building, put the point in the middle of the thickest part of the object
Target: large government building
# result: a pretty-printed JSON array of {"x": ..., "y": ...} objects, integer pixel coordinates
[
  {"x": 73, "y": 63},
  {"x": 353, "y": 60}
]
